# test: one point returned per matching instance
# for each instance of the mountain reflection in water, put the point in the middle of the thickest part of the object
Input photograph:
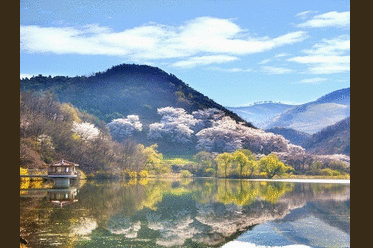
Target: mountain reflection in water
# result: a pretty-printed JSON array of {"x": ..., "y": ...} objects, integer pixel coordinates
[{"x": 183, "y": 213}]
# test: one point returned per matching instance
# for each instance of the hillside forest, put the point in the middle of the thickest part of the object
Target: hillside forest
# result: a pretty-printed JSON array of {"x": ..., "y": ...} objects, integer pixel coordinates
[{"x": 111, "y": 127}]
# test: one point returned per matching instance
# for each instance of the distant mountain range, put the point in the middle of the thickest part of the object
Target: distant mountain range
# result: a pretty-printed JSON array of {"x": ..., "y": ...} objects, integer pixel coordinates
[
  {"x": 260, "y": 115},
  {"x": 334, "y": 139},
  {"x": 309, "y": 118}
]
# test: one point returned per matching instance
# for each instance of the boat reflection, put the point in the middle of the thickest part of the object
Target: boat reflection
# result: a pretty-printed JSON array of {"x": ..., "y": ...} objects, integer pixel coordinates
[{"x": 62, "y": 197}]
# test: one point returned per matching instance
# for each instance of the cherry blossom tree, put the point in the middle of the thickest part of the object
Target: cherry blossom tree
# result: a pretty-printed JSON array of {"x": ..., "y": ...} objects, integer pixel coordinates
[
  {"x": 123, "y": 128},
  {"x": 225, "y": 135},
  {"x": 222, "y": 136},
  {"x": 206, "y": 118},
  {"x": 86, "y": 131},
  {"x": 175, "y": 126}
]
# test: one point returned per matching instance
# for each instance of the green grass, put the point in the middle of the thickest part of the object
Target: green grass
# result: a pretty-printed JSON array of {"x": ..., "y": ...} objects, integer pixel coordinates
[{"x": 172, "y": 161}]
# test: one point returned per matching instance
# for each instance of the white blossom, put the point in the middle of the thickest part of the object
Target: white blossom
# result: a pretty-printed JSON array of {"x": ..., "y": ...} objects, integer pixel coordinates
[
  {"x": 175, "y": 126},
  {"x": 87, "y": 131},
  {"x": 222, "y": 136},
  {"x": 125, "y": 127},
  {"x": 206, "y": 118},
  {"x": 227, "y": 135}
]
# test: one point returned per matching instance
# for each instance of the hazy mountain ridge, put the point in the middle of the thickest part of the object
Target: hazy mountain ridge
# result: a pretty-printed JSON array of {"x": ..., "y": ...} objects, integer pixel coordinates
[
  {"x": 339, "y": 96},
  {"x": 331, "y": 140},
  {"x": 309, "y": 118},
  {"x": 314, "y": 116},
  {"x": 261, "y": 113}
]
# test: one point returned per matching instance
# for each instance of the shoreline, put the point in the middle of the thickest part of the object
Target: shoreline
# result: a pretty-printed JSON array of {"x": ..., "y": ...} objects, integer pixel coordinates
[
  {"x": 305, "y": 180},
  {"x": 294, "y": 180}
]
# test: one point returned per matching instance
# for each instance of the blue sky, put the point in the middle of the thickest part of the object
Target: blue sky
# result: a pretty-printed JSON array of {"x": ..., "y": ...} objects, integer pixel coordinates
[{"x": 235, "y": 52}]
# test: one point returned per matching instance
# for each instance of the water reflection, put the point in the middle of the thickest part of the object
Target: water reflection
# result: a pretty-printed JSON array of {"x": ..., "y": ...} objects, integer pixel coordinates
[{"x": 184, "y": 213}]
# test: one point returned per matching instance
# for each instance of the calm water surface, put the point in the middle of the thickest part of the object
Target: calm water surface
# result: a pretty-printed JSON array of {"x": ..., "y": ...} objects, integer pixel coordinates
[{"x": 187, "y": 213}]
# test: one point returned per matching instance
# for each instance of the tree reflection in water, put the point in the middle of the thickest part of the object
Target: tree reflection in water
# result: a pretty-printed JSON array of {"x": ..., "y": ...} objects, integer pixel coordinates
[{"x": 162, "y": 213}]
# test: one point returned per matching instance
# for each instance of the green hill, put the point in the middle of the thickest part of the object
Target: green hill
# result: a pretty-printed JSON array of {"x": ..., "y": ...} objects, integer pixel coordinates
[
  {"x": 124, "y": 90},
  {"x": 129, "y": 89}
]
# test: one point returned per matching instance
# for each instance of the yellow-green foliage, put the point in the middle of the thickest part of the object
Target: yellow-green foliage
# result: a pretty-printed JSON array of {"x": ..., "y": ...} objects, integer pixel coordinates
[
  {"x": 180, "y": 161},
  {"x": 153, "y": 197},
  {"x": 23, "y": 171},
  {"x": 272, "y": 166},
  {"x": 24, "y": 182},
  {"x": 224, "y": 161},
  {"x": 209, "y": 172},
  {"x": 272, "y": 192},
  {"x": 36, "y": 184},
  {"x": 144, "y": 174},
  {"x": 131, "y": 174},
  {"x": 329, "y": 172},
  {"x": 143, "y": 181},
  {"x": 70, "y": 111},
  {"x": 154, "y": 160},
  {"x": 75, "y": 136},
  {"x": 245, "y": 192},
  {"x": 81, "y": 174},
  {"x": 185, "y": 173}
]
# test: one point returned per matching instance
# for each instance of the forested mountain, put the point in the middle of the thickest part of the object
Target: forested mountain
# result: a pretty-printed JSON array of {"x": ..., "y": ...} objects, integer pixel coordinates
[
  {"x": 260, "y": 113},
  {"x": 123, "y": 90},
  {"x": 138, "y": 102},
  {"x": 313, "y": 116},
  {"x": 331, "y": 140}
]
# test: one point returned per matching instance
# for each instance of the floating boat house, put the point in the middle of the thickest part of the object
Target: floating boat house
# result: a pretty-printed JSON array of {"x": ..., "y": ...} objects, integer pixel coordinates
[{"x": 61, "y": 172}]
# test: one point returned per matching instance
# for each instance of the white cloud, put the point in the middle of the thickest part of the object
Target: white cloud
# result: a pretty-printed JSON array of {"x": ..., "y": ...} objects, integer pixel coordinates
[
  {"x": 313, "y": 80},
  {"x": 321, "y": 59},
  {"x": 329, "y": 19},
  {"x": 280, "y": 55},
  {"x": 303, "y": 15},
  {"x": 329, "y": 68},
  {"x": 204, "y": 36},
  {"x": 336, "y": 46},
  {"x": 276, "y": 70},
  {"x": 327, "y": 57},
  {"x": 204, "y": 60},
  {"x": 230, "y": 69},
  {"x": 264, "y": 61}
]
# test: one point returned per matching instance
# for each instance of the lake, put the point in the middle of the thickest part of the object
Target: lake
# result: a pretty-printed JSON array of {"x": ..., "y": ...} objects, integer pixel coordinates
[{"x": 187, "y": 213}]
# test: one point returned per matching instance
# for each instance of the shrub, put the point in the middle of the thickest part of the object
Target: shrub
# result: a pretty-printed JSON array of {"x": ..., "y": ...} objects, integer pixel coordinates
[
  {"x": 330, "y": 172},
  {"x": 209, "y": 172},
  {"x": 185, "y": 173}
]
